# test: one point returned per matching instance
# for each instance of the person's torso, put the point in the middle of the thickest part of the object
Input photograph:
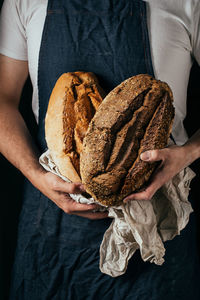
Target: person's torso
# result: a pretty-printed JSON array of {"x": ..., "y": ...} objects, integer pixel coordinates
[{"x": 169, "y": 29}]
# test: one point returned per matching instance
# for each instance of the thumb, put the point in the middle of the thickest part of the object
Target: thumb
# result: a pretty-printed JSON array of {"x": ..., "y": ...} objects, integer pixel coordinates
[{"x": 152, "y": 155}]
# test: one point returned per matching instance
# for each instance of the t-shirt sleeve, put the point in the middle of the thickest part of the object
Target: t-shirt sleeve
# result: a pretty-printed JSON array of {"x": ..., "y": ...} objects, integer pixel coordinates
[
  {"x": 196, "y": 31},
  {"x": 12, "y": 32}
]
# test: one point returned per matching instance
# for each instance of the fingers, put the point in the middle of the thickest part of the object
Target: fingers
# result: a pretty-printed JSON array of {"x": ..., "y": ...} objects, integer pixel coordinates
[
  {"x": 58, "y": 184},
  {"x": 158, "y": 179},
  {"x": 153, "y": 155},
  {"x": 70, "y": 206},
  {"x": 144, "y": 195},
  {"x": 71, "y": 188}
]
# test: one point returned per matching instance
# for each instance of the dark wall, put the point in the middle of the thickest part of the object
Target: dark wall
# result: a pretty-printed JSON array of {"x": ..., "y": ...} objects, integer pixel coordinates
[
  {"x": 11, "y": 179},
  {"x": 192, "y": 124},
  {"x": 11, "y": 195}
]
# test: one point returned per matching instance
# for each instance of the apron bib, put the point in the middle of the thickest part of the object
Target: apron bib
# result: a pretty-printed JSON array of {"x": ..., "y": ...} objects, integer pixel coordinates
[
  {"x": 58, "y": 254},
  {"x": 108, "y": 38}
]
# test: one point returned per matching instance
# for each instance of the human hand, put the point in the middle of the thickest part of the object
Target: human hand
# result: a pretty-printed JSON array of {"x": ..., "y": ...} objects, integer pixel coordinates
[
  {"x": 172, "y": 160},
  {"x": 58, "y": 191}
]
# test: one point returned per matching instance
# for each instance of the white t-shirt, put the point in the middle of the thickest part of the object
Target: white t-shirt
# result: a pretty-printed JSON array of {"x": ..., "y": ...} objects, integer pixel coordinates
[{"x": 174, "y": 33}]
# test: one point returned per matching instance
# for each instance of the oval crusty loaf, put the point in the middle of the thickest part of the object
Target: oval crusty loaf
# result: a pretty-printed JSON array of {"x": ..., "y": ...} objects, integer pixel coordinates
[
  {"x": 73, "y": 102},
  {"x": 134, "y": 117}
]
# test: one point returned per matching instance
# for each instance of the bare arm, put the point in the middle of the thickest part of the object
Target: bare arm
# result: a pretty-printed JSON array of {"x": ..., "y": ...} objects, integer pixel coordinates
[
  {"x": 17, "y": 145},
  {"x": 14, "y": 135}
]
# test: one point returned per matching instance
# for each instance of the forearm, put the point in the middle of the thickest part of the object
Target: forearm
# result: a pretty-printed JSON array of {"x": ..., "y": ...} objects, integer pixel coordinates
[
  {"x": 16, "y": 143},
  {"x": 192, "y": 148}
]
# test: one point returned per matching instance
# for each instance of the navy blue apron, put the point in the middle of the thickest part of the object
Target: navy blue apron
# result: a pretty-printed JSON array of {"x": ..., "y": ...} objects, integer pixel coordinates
[{"x": 58, "y": 254}]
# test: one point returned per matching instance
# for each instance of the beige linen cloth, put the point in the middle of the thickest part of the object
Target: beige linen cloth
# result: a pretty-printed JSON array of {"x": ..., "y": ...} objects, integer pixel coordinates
[{"x": 140, "y": 225}]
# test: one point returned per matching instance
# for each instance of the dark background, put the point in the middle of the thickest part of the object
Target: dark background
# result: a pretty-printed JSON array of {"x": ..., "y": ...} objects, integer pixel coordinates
[{"x": 11, "y": 179}]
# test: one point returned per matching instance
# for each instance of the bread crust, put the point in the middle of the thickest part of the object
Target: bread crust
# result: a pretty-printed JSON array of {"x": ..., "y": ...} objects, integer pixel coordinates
[
  {"x": 72, "y": 104},
  {"x": 134, "y": 117}
]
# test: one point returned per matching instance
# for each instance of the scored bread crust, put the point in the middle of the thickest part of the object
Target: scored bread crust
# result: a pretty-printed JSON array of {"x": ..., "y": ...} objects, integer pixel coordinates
[
  {"x": 134, "y": 117},
  {"x": 72, "y": 104}
]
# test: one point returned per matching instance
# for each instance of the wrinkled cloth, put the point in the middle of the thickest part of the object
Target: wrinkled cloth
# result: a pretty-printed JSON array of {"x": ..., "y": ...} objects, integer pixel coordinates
[{"x": 143, "y": 225}]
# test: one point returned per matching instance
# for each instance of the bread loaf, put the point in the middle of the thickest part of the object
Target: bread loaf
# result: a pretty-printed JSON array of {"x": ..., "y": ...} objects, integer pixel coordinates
[
  {"x": 134, "y": 117},
  {"x": 73, "y": 102}
]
